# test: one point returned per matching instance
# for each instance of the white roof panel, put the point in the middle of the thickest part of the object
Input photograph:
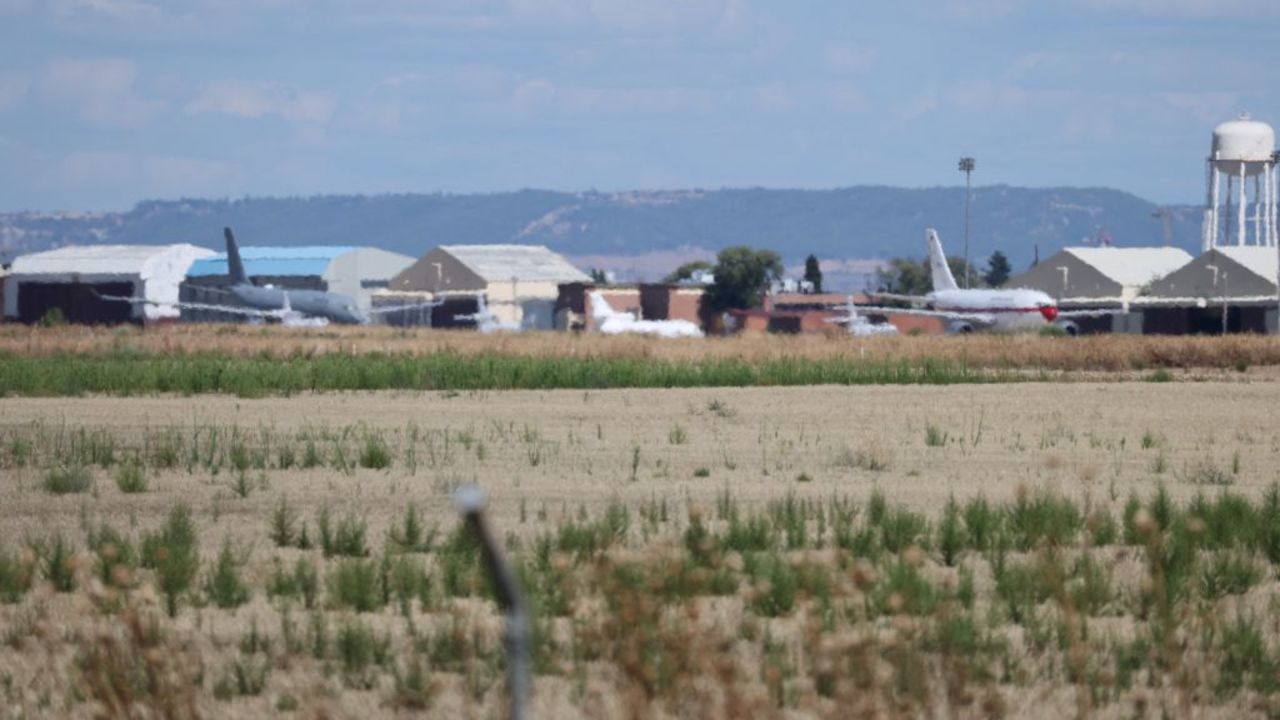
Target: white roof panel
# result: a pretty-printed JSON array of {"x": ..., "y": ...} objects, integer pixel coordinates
[
  {"x": 1132, "y": 266},
  {"x": 528, "y": 263},
  {"x": 1261, "y": 261},
  {"x": 101, "y": 259}
]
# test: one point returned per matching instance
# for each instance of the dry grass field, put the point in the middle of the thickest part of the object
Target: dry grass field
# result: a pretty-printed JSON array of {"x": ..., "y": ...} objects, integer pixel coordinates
[
  {"x": 1111, "y": 353},
  {"x": 1027, "y": 550}
]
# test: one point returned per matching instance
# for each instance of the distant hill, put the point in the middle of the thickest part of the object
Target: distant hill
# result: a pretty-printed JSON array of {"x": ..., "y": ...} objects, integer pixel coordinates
[{"x": 856, "y": 222}]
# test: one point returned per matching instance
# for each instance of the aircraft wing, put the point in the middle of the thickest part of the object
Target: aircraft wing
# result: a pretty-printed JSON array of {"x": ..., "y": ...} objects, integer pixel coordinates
[
  {"x": 1090, "y": 313},
  {"x": 915, "y": 299},
  {"x": 380, "y": 309},
  {"x": 980, "y": 318},
  {"x": 232, "y": 309}
]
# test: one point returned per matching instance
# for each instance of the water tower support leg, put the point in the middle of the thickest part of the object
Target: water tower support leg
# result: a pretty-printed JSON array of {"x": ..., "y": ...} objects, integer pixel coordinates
[{"x": 1242, "y": 217}]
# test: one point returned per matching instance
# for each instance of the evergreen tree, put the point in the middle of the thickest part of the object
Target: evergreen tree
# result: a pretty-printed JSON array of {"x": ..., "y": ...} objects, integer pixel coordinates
[
  {"x": 998, "y": 269},
  {"x": 813, "y": 273}
]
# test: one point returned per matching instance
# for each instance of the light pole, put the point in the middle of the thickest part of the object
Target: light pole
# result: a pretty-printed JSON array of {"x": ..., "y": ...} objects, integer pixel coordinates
[{"x": 966, "y": 167}]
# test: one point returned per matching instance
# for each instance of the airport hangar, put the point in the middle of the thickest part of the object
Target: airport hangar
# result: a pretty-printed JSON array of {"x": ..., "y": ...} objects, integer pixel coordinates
[
  {"x": 519, "y": 284},
  {"x": 1228, "y": 289},
  {"x": 71, "y": 280},
  {"x": 1101, "y": 278},
  {"x": 357, "y": 272}
]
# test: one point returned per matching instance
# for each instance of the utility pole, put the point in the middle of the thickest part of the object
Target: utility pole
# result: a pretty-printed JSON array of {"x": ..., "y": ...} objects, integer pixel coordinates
[
  {"x": 966, "y": 167},
  {"x": 1166, "y": 217}
]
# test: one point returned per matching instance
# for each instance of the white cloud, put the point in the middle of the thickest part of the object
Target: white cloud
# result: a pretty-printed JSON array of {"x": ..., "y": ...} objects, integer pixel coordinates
[
  {"x": 1189, "y": 8},
  {"x": 13, "y": 87},
  {"x": 127, "y": 10},
  {"x": 633, "y": 15},
  {"x": 848, "y": 57},
  {"x": 258, "y": 100},
  {"x": 101, "y": 89},
  {"x": 144, "y": 175}
]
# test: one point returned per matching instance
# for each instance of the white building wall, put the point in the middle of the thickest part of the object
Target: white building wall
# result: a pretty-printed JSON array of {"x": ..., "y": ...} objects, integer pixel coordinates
[
  {"x": 530, "y": 304},
  {"x": 352, "y": 272}
]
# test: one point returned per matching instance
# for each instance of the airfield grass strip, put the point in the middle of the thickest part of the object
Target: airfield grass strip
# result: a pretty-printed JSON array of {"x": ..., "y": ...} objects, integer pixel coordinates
[{"x": 138, "y": 374}]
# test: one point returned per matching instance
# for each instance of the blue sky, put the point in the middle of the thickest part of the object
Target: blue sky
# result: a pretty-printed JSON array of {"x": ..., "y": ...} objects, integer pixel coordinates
[{"x": 107, "y": 102}]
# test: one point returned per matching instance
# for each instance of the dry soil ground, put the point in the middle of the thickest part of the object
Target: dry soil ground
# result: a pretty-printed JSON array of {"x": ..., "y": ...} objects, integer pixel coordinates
[{"x": 546, "y": 458}]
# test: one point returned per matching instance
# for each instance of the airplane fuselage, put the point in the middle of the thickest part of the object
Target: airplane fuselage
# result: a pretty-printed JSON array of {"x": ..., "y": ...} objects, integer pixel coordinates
[
  {"x": 313, "y": 303},
  {"x": 1016, "y": 309}
]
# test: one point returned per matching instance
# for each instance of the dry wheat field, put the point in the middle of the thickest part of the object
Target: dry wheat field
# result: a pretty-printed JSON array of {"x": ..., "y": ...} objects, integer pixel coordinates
[
  {"x": 1007, "y": 550},
  {"x": 1105, "y": 353}
]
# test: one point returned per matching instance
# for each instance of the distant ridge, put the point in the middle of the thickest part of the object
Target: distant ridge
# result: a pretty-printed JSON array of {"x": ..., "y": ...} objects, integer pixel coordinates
[{"x": 854, "y": 222}]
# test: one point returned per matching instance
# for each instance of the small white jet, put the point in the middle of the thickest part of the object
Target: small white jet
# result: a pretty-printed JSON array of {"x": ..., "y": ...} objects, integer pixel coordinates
[
  {"x": 485, "y": 320},
  {"x": 970, "y": 310},
  {"x": 612, "y": 322},
  {"x": 860, "y": 325}
]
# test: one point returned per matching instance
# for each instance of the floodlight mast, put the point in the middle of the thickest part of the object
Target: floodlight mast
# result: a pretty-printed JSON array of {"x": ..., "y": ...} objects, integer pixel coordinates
[
  {"x": 967, "y": 165},
  {"x": 470, "y": 501}
]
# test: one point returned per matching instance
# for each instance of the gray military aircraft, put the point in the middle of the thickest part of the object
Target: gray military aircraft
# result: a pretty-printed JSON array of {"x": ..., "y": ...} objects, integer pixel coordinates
[
  {"x": 290, "y": 307},
  {"x": 333, "y": 307}
]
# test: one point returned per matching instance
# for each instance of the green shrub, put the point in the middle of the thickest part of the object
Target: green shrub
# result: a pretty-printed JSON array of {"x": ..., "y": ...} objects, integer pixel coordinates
[
  {"x": 1091, "y": 589},
  {"x": 130, "y": 478},
  {"x": 903, "y": 589},
  {"x": 776, "y": 594},
  {"x": 175, "y": 555},
  {"x": 982, "y": 522},
  {"x": 412, "y": 535},
  {"x": 353, "y": 584},
  {"x": 67, "y": 479},
  {"x": 1043, "y": 518},
  {"x": 57, "y": 562},
  {"x": 224, "y": 586},
  {"x": 1244, "y": 658},
  {"x": 934, "y": 436},
  {"x": 951, "y": 536},
  {"x": 243, "y": 677},
  {"x": 374, "y": 454},
  {"x": 284, "y": 520},
  {"x": 413, "y": 690},
  {"x": 358, "y": 648},
  {"x": 115, "y": 557},
  {"x": 15, "y": 576},
  {"x": 1228, "y": 573},
  {"x": 347, "y": 539}
]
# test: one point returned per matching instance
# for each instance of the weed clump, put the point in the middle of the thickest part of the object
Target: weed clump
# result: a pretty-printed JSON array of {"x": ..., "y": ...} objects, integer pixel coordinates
[
  {"x": 174, "y": 554},
  {"x": 66, "y": 480}
]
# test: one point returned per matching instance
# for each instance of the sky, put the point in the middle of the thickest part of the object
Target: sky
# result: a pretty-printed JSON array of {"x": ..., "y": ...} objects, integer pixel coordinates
[{"x": 104, "y": 103}]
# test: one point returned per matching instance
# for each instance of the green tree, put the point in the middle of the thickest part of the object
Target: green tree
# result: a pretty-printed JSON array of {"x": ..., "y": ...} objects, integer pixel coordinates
[
  {"x": 686, "y": 271},
  {"x": 998, "y": 270},
  {"x": 742, "y": 275},
  {"x": 813, "y": 273},
  {"x": 598, "y": 276},
  {"x": 906, "y": 276}
]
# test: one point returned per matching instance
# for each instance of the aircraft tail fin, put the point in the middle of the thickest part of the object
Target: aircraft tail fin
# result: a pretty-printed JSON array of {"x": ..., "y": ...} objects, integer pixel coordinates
[
  {"x": 601, "y": 310},
  {"x": 235, "y": 268},
  {"x": 938, "y": 268}
]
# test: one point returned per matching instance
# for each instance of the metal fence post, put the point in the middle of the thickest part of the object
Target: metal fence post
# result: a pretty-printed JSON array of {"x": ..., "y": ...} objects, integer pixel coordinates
[{"x": 470, "y": 501}]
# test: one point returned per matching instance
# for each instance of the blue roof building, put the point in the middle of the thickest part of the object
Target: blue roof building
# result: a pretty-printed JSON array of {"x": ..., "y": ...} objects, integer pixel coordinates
[{"x": 353, "y": 271}]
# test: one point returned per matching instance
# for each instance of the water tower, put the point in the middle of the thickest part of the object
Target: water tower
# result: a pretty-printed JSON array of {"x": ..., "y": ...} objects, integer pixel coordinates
[{"x": 1244, "y": 155}]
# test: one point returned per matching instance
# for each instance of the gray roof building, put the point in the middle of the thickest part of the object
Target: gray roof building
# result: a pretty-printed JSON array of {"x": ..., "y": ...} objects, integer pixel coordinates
[{"x": 1105, "y": 276}]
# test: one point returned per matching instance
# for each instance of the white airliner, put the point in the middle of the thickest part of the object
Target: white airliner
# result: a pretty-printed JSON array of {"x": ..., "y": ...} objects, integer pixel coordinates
[
  {"x": 968, "y": 311},
  {"x": 612, "y": 322}
]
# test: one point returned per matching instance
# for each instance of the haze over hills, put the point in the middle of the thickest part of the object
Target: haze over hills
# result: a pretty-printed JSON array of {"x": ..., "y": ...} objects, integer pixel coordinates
[{"x": 644, "y": 231}]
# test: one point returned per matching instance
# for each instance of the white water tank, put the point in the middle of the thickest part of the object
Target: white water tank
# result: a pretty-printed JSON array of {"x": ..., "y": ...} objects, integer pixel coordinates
[{"x": 1243, "y": 141}]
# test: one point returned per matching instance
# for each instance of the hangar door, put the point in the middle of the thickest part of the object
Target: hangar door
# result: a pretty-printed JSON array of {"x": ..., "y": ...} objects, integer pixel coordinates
[{"x": 77, "y": 301}]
